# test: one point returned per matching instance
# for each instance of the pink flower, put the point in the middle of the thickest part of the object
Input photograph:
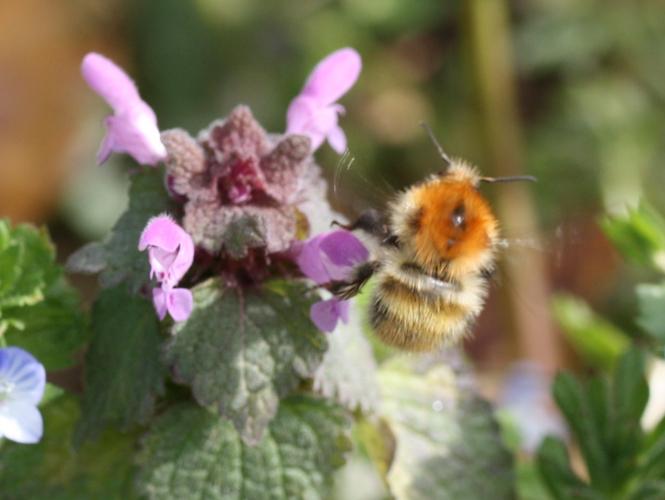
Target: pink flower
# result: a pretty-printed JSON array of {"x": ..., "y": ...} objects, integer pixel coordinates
[
  {"x": 171, "y": 253},
  {"x": 325, "y": 258},
  {"x": 330, "y": 256},
  {"x": 170, "y": 249},
  {"x": 178, "y": 302},
  {"x": 325, "y": 314},
  {"x": 133, "y": 127},
  {"x": 315, "y": 112}
]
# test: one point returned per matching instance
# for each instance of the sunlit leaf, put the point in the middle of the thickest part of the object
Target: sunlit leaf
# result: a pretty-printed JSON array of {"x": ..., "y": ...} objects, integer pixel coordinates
[
  {"x": 447, "y": 439},
  {"x": 348, "y": 371},
  {"x": 39, "y": 311},
  {"x": 27, "y": 266},
  {"x": 639, "y": 235},
  {"x": 597, "y": 340},
  {"x": 52, "y": 330},
  {"x": 651, "y": 300}
]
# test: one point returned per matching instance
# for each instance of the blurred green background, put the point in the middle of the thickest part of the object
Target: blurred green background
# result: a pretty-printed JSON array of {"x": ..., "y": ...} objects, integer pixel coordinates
[{"x": 571, "y": 91}]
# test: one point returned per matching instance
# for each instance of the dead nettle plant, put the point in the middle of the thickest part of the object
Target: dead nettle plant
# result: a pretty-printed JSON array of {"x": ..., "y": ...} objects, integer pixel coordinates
[{"x": 218, "y": 366}]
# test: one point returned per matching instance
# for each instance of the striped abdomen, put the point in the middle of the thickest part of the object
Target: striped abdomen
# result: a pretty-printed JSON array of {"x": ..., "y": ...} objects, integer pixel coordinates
[{"x": 423, "y": 315}]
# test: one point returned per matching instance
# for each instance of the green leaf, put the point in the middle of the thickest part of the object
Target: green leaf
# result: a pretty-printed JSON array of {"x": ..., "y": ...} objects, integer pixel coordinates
[
  {"x": 27, "y": 266},
  {"x": 348, "y": 371},
  {"x": 651, "y": 318},
  {"x": 600, "y": 398},
  {"x": 119, "y": 256},
  {"x": 597, "y": 340},
  {"x": 631, "y": 391},
  {"x": 39, "y": 311},
  {"x": 572, "y": 400},
  {"x": 123, "y": 374},
  {"x": 650, "y": 490},
  {"x": 89, "y": 259},
  {"x": 241, "y": 353},
  {"x": 192, "y": 453},
  {"x": 51, "y": 393},
  {"x": 52, "y": 330},
  {"x": 34, "y": 262},
  {"x": 52, "y": 470},
  {"x": 604, "y": 417},
  {"x": 639, "y": 235},
  {"x": 558, "y": 475},
  {"x": 630, "y": 396},
  {"x": 653, "y": 461},
  {"x": 447, "y": 439}
]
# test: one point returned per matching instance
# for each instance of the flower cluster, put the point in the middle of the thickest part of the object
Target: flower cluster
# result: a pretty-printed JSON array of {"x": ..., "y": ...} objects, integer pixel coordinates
[
  {"x": 240, "y": 185},
  {"x": 244, "y": 191},
  {"x": 171, "y": 253},
  {"x": 324, "y": 259},
  {"x": 22, "y": 382}
]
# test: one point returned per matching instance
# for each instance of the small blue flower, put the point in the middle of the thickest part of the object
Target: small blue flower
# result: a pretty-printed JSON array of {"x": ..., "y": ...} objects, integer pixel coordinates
[{"x": 22, "y": 381}]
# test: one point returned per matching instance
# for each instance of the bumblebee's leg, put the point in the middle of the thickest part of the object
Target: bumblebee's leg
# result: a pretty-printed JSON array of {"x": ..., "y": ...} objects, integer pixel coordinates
[
  {"x": 370, "y": 221},
  {"x": 351, "y": 288},
  {"x": 373, "y": 223}
]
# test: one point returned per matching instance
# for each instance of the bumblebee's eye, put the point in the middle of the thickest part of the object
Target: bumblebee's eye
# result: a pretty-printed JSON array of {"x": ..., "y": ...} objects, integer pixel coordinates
[{"x": 457, "y": 217}]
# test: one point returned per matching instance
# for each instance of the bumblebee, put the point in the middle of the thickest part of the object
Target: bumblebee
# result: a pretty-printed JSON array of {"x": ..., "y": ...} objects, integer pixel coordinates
[{"x": 436, "y": 251}]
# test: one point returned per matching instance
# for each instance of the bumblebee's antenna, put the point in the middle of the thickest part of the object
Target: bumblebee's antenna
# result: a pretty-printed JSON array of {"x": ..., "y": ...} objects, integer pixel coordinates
[
  {"x": 438, "y": 147},
  {"x": 511, "y": 178}
]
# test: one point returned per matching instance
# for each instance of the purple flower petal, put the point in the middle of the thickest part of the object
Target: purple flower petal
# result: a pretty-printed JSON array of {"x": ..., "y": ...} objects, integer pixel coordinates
[
  {"x": 180, "y": 303},
  {"x": 171, "y": 249},
  {"x": 333, "y": 76},
  {"x": 314, "y": 112},
  {"x": 109, "y": 81},
  {"x": 133, "y": 127},
  {"x": 330, "y": 256},
  {"x": 159, "y": 301},
  {"x": 300, "y": 113},
  {"x": 22, "y": 382},
  {"x": 23, "y": 374},
  {"x": 325, "y": 314},
  {"x": 337, "y": 139},
  {"x": 309, "y": 260},
  {"x": 343, "y": 248},
  {"x": 160, "y": 262},
  {"x": 343, "y": 308},
  {"x": 20, "y": 421},
  {"x": 305, "y": 117},
  {"x": 316, "y": 265},
  {"x": 134, "y": 133}
]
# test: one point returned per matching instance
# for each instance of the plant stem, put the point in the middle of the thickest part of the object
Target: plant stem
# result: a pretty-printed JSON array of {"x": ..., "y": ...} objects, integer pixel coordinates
[{"x": 527, "y": 296}]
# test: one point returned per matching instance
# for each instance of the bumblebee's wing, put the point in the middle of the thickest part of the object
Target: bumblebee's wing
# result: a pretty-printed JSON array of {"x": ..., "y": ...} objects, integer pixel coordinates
[{"x": 350, "y": 188}]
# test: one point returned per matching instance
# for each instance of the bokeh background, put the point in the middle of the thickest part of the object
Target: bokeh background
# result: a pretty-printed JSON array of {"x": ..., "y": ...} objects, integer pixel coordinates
[{"x": 571, "y": 91}]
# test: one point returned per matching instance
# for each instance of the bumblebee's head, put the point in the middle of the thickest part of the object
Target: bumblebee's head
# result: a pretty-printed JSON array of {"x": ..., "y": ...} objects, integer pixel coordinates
[
  {"x": 447, "y": 221},
  {"x": 453, "y": 222}
]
